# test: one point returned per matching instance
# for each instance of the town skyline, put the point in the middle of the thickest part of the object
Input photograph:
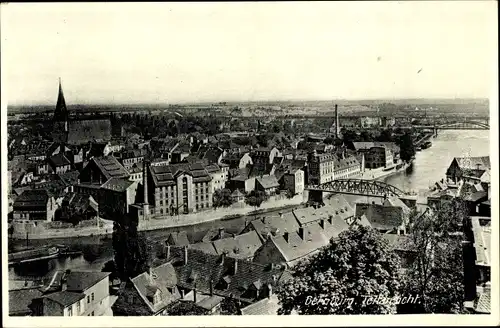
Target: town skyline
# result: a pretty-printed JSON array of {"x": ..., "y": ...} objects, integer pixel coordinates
[{"x": 247, "y": 52}]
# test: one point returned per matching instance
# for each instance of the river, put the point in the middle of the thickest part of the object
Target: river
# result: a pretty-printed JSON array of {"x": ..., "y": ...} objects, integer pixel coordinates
[{"x": 430, "y": 165}]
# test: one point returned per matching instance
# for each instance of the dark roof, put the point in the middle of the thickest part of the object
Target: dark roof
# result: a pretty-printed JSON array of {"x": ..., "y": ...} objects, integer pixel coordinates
[
  {"x": 84, "y": 131},
  {"x": 201, "y": 268},
  {"x": 268, "y": 181},
  {"x": 65, "y": 298},
  {"x": 275, "y": 225},
  {"x": 165, "y": 175},
  {"x": 19, "y": 300},
  {"x": 78, "y": 203},
  {"x": 117, "y": 184},
  {"x": 70, "y": 178},
  {"x": 79, "y": 281},
  {"x": 380, "y": 216},
  {"x": 32, "y": 198},
  {"x": 59, "y": 160},
  {"x": 110, "y": 167}
]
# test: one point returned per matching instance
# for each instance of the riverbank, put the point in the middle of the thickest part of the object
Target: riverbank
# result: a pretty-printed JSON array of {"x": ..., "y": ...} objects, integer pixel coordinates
[
  {"x": 23, "y": 230},
  {"x": 379, "y": 173}
]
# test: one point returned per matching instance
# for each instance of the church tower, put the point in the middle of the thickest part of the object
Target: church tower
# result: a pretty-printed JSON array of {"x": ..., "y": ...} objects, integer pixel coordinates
[{"x": 61, "y": 117}]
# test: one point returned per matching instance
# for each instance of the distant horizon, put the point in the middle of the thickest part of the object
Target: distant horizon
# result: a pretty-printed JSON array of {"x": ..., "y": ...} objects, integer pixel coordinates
[
  {"x": 387, "y": 100},
  {"x": 176, "y": 53}
]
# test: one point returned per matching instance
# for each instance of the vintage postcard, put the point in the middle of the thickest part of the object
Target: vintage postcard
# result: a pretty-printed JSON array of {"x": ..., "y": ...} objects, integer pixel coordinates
[{"x": 247, "y": 164}]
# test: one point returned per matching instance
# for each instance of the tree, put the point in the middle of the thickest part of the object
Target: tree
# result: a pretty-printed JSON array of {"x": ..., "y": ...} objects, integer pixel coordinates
[
  {"x": 230, "y": 306},
  {"x": 110, "y": 266},
  {"x": 255, "y": 198},
  {"x": 342, "y": 276},
  {"x": 185, "y": 308},
  {"x": 132, "y": 251},
  {"x": 222, "y": 198},
  {"x": 436, "y": 274},
  {"x": 407, "y": 149}
]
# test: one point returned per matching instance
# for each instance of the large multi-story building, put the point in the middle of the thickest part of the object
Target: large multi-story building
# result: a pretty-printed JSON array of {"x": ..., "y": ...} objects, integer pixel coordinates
[
  {"x": 179, "y": 189},
  {"x": 377, "y": 154},
  {"x": 320, "y": 168}
]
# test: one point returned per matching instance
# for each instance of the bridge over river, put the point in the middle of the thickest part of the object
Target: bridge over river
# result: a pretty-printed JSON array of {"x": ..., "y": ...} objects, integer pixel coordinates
[{"x": 372, "y": 188}]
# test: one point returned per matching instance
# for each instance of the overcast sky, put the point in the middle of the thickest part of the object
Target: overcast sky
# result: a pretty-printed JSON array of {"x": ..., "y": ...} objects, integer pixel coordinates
[{"x": 175, "y": 52}]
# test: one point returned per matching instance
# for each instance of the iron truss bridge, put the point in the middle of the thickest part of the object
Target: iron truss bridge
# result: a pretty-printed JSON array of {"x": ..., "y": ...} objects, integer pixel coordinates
[
  {"x": 358, "y": 187},
  {"x": 464, "y": 125}
]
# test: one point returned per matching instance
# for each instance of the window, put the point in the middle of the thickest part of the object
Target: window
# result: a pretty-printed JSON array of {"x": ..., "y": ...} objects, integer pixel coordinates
[
  {"x": 78, "y": 308},
  {"x": 92, "y": 296},
  {"x": 70, "y": 311},
  {"x": 92, "y": 314},
  {"x": 88, "y": 299}
]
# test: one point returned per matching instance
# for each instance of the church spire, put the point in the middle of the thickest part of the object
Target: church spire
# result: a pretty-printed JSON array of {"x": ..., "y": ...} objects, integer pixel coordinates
[{"x": 61, "y": 112}]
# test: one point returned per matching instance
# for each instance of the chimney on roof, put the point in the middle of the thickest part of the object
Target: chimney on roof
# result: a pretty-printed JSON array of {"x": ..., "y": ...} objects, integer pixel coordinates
[
  {"x": 64, "y": 282},
  {"x": 281, "y": 214},
  {"x": 185, "y": 255},
  {"x": 194, "y": 293},
  {"x": 221, "y": 233},
  {"x": 235, "y": 267},
  {"x": 302, "y": 233},
  {"x": 285, "y": 235},
  {"x": 211, "y": 284},
  {"x": 167, "y": 252},
  {"x": 270, "y": 288}
]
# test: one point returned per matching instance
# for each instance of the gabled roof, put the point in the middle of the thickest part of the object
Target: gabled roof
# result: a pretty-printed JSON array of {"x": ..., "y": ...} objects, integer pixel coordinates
[
  {"x": 65, "y": 298},
  {"x": 394, "y": 201},
  {"x": 165, "y": 175},
  {"x": 59, "y": 160},
  {"x": 179, "y": 238},
  {"x": 268, "y": 181},
  {"x": 481, "y": 162},
  {"x": 19, "y": 300},
  {"x": 241, "y": 246},
  {"x": 266, "y": 306},
  {"x": 117, "y": 184},
  {"x": 161, "y": 279},
  {"x": 275, "y": 225},
  {"x": 32, "y": 198},
  {"x": 79, "y": 281},
  {"x": 110, "y": 167}
]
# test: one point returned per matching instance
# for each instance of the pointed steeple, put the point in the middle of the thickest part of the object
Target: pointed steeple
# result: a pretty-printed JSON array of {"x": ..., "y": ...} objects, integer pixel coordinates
[{"x": 61, "y": 112}]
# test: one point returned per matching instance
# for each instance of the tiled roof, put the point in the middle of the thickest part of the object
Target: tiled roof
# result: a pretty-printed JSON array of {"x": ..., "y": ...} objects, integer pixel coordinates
[
  {"x": 309, "y": 239},
  {"x": 65, "y": 297},
  {"x": 482, "y": 162},
  {"x": 268, "y": 182},
  {"x": 79, "y": 281},
  {"x": 482, "y": 242},
  {"x": 394, "y": 201},
  {"x": 275, "y": 225},
  {"x": 162, "y": 280},
  {"x": 214, "y": 234},
  {"x": 266, "y": 306},
  {"x": 110, "y": 167},
  {"x": 19, "y": 300},
  {"x": 59, "y": 160},
  {"x": 117, "y": 184},
  {"x": 83, "y": 131},
  {"x": 207, "y": 247},
  {"x": 230, "y": 277},
  {"x": 165, "y": 175},
  {"x": 483, "y": 302},
  {"x": 380, "y": 216},
  {"x": 79, "y": 203},
  {"x": 242, "y": 246},
  {"x": 32, "y": 198},
  {"x": 178, "y": 238},
  {"x": 208, "y": 303}
]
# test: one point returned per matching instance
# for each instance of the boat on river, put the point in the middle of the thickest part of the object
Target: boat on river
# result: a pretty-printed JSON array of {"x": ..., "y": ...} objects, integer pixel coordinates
[
  {"x": 426, "y": 145},
  {"x": 33, "y": 255}
]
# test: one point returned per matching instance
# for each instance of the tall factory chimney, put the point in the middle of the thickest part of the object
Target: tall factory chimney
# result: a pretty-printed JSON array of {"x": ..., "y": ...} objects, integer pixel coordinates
[{"x": 337, "y": 129}]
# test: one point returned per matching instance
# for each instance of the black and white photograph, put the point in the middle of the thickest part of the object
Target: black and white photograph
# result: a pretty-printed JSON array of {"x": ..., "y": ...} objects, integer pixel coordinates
[{"x": 279, "y": 159}]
